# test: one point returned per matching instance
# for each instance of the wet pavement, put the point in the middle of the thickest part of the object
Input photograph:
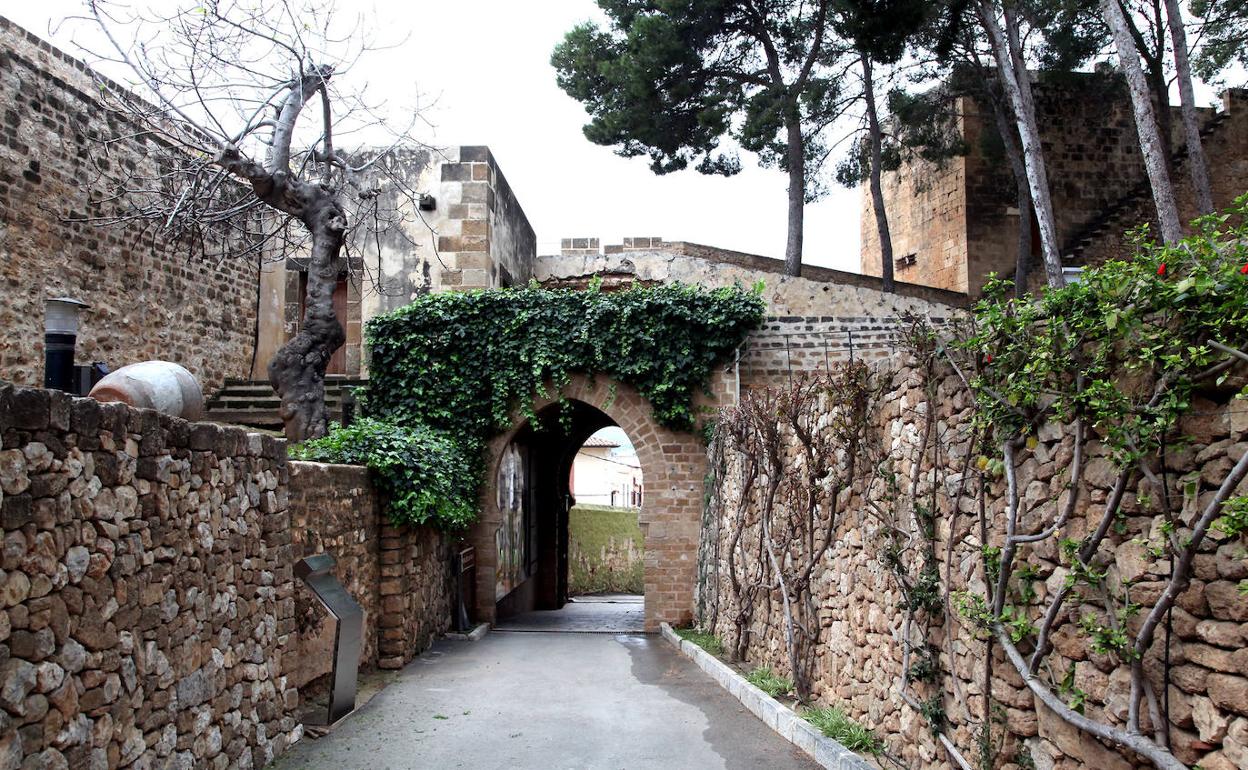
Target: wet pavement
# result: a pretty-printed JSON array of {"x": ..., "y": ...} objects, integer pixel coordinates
[
  {"x": 597, "y": 614},
  {"x": 546, "y": 699}
]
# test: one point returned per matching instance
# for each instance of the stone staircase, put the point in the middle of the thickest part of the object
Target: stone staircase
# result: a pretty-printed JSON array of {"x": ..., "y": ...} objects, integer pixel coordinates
[
  {"x": 253, "y": 402},
  {"x": 1121, "y": 215}
]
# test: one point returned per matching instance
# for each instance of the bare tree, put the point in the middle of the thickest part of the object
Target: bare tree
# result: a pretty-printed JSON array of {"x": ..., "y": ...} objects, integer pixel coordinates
[
  {"x": 1015, "y": 81},
  {"x": 1153, "y": 145},
  {"x": 241, "y": 164},
  {"x": 1197, "y": 166}
]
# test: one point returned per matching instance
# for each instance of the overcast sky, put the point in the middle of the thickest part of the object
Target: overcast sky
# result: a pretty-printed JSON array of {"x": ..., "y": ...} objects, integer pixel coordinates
[{"x": 487, "y": 65}]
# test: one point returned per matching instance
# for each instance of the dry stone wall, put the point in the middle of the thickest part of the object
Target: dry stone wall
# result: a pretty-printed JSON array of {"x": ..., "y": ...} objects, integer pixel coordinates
[
  {"x": 149, "y": 613},
  {"x": 147, "y": 299},
  {"x": 860, "y": 662},
  {"x": 147, "y": 600}
]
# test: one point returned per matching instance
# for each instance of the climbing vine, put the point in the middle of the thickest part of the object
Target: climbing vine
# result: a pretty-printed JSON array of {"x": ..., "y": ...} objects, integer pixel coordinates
[
  {"x": 1109, "y": 364},
  {"x": 464, "y": 361},
  {"x": 788, "y": 510},
  {"x": 449, "y": 370}
]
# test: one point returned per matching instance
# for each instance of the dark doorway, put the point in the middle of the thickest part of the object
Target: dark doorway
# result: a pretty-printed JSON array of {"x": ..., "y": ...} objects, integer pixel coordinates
[{"x": 534, "y": 488}]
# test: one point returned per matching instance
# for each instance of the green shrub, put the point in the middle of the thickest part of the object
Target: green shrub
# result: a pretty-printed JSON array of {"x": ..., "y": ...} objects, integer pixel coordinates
[
  {"x": 427, "y": 475},
  {"x": 769, "y": 682},
  {"x": 833, "y": 723},
  {"x": 708, "y": 642}
]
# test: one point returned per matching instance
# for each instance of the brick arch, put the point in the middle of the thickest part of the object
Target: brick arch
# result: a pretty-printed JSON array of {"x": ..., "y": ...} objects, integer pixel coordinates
[{"x": 673, "y": 466}]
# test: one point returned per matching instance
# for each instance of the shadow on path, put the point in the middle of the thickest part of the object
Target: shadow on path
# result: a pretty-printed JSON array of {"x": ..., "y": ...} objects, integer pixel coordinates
[{"x": 593, "y": 614}]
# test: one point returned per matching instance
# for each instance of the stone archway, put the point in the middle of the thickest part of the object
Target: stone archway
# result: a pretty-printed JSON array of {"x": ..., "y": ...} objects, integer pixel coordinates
[{"x": 673, "y": 465}]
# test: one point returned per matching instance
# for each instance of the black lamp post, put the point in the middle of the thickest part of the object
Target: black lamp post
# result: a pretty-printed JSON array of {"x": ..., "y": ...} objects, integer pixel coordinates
[{"x": 60, "y": 333}]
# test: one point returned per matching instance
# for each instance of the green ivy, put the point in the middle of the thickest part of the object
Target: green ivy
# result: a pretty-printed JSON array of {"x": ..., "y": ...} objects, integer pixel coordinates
[
  {"x": 427, "y": 476},
  {"x": 448, "y": 370},
  {"x": 465, "y": 361}
]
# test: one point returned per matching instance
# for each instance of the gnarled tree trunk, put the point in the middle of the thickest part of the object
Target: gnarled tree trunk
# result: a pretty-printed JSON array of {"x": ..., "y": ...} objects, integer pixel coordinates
[{"x": 297, "y": 371}]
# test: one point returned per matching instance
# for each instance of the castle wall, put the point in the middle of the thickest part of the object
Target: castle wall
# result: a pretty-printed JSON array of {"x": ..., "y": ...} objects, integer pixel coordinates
[{"x": 149, "y": 299}]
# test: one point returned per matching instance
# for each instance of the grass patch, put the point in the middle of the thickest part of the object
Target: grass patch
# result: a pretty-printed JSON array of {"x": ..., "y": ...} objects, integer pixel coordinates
[
  {"x": 595, "y": 530},
  {"x": 769, "y": 681},
  {"x": 708, "y": 642},
  {"x": 833, "y": 723}
]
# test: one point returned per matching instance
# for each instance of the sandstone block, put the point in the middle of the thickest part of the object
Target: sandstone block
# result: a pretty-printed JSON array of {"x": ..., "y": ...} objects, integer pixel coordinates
[
  {"x": 1211, "y": 722},
  {"x": 1225, "y": 601},
  {"x": 1229, "y": 692}
]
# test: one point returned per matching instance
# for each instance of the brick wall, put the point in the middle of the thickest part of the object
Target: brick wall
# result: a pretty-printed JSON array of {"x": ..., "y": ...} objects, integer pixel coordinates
[
  {"x": 787, "y": 346},
  {"x": 147, "y": 300},
  {"x": 672, "y": 467},
  {"x": 147, "y": 604},
  {"x": 399, "y": 575}
]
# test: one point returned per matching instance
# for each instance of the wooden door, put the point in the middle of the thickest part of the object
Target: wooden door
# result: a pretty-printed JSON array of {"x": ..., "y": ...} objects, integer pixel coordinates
[{"x": 338, "y": 361}]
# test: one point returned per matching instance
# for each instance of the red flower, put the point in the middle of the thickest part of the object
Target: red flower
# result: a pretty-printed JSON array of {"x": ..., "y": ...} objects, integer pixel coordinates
[
  {"x": 1161, "y": 269},
  {"x": 1244, "y": 269},
  {"x": 987, "y": 358}
]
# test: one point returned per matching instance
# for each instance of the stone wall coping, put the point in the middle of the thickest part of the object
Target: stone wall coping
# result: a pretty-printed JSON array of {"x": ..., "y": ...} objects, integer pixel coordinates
[
  {"x": 774, "y": 266},
  {"x": 39, "y": 409},
  {"x": 328, "y": 466},
  {"x": 802, "y": 734}
]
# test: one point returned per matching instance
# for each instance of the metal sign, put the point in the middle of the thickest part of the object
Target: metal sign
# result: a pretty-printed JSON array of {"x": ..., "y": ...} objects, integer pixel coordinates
[{"x": 317, "y": 572}]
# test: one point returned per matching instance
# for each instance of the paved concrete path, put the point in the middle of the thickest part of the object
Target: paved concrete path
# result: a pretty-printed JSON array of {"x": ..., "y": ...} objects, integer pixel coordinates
[
  {"x": 598, "y": 613},
  {"x": 550, "y": 700}
]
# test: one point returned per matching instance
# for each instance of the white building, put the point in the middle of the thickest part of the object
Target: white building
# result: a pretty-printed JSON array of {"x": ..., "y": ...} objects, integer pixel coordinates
[{"x": 606, "y": 472}]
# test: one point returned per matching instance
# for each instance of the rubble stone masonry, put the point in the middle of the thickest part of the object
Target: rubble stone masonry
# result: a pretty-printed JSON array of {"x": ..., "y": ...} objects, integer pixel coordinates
[
  {"x": 148, "y": 598},
  {"x": 860, "y": 657},
  {"x": 149, "y": 613}
]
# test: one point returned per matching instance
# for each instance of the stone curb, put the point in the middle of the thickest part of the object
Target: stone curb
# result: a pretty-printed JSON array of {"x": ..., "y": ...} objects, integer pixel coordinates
[
  {"x": 773, "y": 713},
  {"x": 475, "y": 635}
]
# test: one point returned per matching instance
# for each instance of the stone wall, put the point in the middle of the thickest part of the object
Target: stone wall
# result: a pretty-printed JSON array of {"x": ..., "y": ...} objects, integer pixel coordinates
[
  {"x": 148, "y": 603},
  {"x": 147, "y": 299},
  {"x": 861, "y": 659},
  {"x": 927, "y": 217},
  {"x": 471, "y": 234},
  {"x": 813, "y": 320},
  {"x": 149, "y": 613},
  {"x": 960, "y": 218},
  {"x": 488, "y": 240},
  {"x": 400, "y": 576},
  {"x": 1224, "y": 143}
]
